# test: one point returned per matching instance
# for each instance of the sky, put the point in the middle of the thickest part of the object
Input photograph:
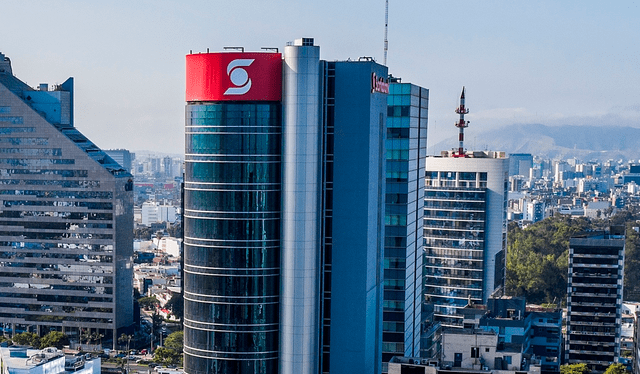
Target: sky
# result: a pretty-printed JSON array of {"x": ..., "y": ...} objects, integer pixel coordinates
[{"x": 547, "y": 61}]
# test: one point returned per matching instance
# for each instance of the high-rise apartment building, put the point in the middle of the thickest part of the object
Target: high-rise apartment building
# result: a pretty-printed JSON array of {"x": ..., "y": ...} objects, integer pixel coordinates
[
  {"x": 594, "y": 298},
  {"x": 407, "y": 109},
  {"x": 284, "y": 212},
  {"x": 465, "y": 230},
  {"x": 66, "y": 225},
  {"x": 122, "y": 156}
]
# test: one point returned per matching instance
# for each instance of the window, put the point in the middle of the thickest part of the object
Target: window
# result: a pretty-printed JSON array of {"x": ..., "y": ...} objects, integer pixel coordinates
[{"x": 475, "y": 352}]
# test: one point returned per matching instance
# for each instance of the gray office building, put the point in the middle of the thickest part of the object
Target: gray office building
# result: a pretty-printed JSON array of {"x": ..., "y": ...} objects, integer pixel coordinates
[{"x": 66, "y": 225}]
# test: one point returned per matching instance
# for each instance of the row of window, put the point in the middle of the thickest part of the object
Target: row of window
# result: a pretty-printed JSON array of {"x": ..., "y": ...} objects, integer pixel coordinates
[
  {"x": 80, "y": 216},
  {"x": 213, "y": 315},
  {"x": 24, "y": 141},
  {"x": 53, "y": 194},
  {"x": 233, "y": 286},
  {"x": 246, "y": 255},
  {"x": 233, "y": 201},
  {"x": 247, "y": 172},
  {"x": 75, "y": 204},
  {"x": 43, "y": 225},
  {"x": 454, "y": 194},
  {"x": 230, "y": 144},
  {"x": 55, "y": 298},
  {"x": 199, "y": 365},
  {"x": 14, "y": 120},
  {"x": 62, "y": 173},
  {"x": 48, "y": 182},
  {"x": 48, "y": 246},
  {"x": 54, "y": 235},
  {"x": 48, "y": 317},
  {"x": 456, "y": 175},
  {"x": 36, "y": 162},
  {"x": 224, "y": 229},
  {"x": 32, "y": 151}
]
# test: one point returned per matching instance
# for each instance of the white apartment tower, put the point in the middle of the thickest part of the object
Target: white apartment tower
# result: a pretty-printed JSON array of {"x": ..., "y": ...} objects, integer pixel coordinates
[{"x": 465, "y": 230}]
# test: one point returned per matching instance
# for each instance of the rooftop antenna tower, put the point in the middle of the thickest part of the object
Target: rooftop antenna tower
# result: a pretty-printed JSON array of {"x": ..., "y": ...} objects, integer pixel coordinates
[
  {"x": 386, "y": 29},
  {"x": 461, "y": 124}
]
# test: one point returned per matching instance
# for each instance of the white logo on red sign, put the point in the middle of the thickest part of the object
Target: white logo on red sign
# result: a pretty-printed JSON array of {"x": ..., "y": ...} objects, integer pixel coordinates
[{"x": 239, "y": 76}]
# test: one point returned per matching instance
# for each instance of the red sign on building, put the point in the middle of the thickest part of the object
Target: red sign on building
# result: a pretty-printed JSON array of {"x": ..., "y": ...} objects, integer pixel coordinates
[{"x": 234, "y": 76}]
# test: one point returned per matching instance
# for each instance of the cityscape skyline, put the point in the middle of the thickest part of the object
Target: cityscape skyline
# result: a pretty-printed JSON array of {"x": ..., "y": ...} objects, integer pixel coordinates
[{"x": 542, "y": 63}]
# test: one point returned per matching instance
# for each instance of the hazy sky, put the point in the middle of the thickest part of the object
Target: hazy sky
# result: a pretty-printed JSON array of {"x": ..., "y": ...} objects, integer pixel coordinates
[{"x": 549, "y": 62}]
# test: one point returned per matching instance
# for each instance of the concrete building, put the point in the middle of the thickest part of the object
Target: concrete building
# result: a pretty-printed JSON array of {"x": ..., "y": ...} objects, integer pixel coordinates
[
  {"x": 123, "y": 157},
  {"x": 66, "y": 242},
  {"x": 594, "y": 298},
  {"x": 465, "y": 231},
  {"x": 284, "y": 212},
  {"x": 152, "y": 212},
  {"x": 24, "y": 360},
  {"x": 479, "y": 350},
  {"x": 534, "y": 211},
  {"x": 520, "y": 163},
  {"x": 543, "y": 342},
  {"x": 403, "y": 271}
]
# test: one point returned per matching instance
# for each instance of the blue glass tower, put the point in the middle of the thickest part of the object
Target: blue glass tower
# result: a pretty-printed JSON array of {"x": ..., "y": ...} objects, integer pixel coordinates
[
  {"x": 406, "y": 145},
  {"x": 232, "y": 237}
]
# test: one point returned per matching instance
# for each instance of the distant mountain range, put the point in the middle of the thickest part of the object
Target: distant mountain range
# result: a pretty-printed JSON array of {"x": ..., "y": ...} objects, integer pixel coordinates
[{"x": 556, "y": 142}]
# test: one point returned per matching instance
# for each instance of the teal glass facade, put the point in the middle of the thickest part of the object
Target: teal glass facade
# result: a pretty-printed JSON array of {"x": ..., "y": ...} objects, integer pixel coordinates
[
  {"x": 232, "y": 237},
  {"x": 406, "y": 147}
]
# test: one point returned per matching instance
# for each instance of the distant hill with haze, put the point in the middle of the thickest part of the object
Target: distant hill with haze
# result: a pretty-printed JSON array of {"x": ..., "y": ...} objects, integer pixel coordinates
[{"x": 556, "y": 142}]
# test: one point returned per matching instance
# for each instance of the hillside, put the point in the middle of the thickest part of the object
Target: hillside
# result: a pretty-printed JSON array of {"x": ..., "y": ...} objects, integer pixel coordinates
[{"x": 584, "y": 142}]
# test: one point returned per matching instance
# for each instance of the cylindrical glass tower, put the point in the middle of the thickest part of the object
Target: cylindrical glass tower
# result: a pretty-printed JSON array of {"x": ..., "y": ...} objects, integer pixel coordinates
[{"x": 232, "y": 237}]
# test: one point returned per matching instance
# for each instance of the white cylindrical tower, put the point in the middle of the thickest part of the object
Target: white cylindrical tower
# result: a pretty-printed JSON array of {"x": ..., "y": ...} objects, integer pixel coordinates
[{"x": 301, "y": 218}]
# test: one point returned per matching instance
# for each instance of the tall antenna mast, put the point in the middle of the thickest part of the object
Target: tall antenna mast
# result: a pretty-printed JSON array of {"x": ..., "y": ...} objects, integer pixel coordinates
[
  {"x": 461, "y": 124},
  {"x": 386, "y": 29}
]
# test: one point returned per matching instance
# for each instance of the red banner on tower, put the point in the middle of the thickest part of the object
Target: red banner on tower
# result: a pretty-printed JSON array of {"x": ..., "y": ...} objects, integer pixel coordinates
[{"x": 236, "y": 76}]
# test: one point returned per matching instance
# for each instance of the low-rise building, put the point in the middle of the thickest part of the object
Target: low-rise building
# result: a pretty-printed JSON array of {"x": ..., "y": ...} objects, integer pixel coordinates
[{"x": 25, "y": 360}]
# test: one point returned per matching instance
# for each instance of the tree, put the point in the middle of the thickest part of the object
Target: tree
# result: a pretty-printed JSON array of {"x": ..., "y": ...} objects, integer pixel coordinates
[
  {"x": 148, "y": 302},
  {"x": 616, "y": 369},
  {"x": 27, "y": 338},
  {"x": 537, "y": 258},
  {"x": 124, "y": 338},
  {"x": 142, "y": 232},
  {"x": 631, "y": 287},
  {"x": 167, "y": 356},
  {"x": 175, "y": 341},
  {"x": 171, "y": 353},
  {"x": 574, "y": 369},
  {"x": 175, "y": 230},
  {"x": 176, "y": 305},
  {"x": 54, "y": 339}
]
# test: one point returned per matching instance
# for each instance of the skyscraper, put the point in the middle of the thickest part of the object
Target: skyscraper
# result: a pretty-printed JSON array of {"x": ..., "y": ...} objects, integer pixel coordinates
[
  {"x": 284, "y": 186},
  {"x": 465, "y": 230},
  {"x": 407, "y": 108},
  {"x": 594, "y": 298},
  {"x": 66, "y": 237}
]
